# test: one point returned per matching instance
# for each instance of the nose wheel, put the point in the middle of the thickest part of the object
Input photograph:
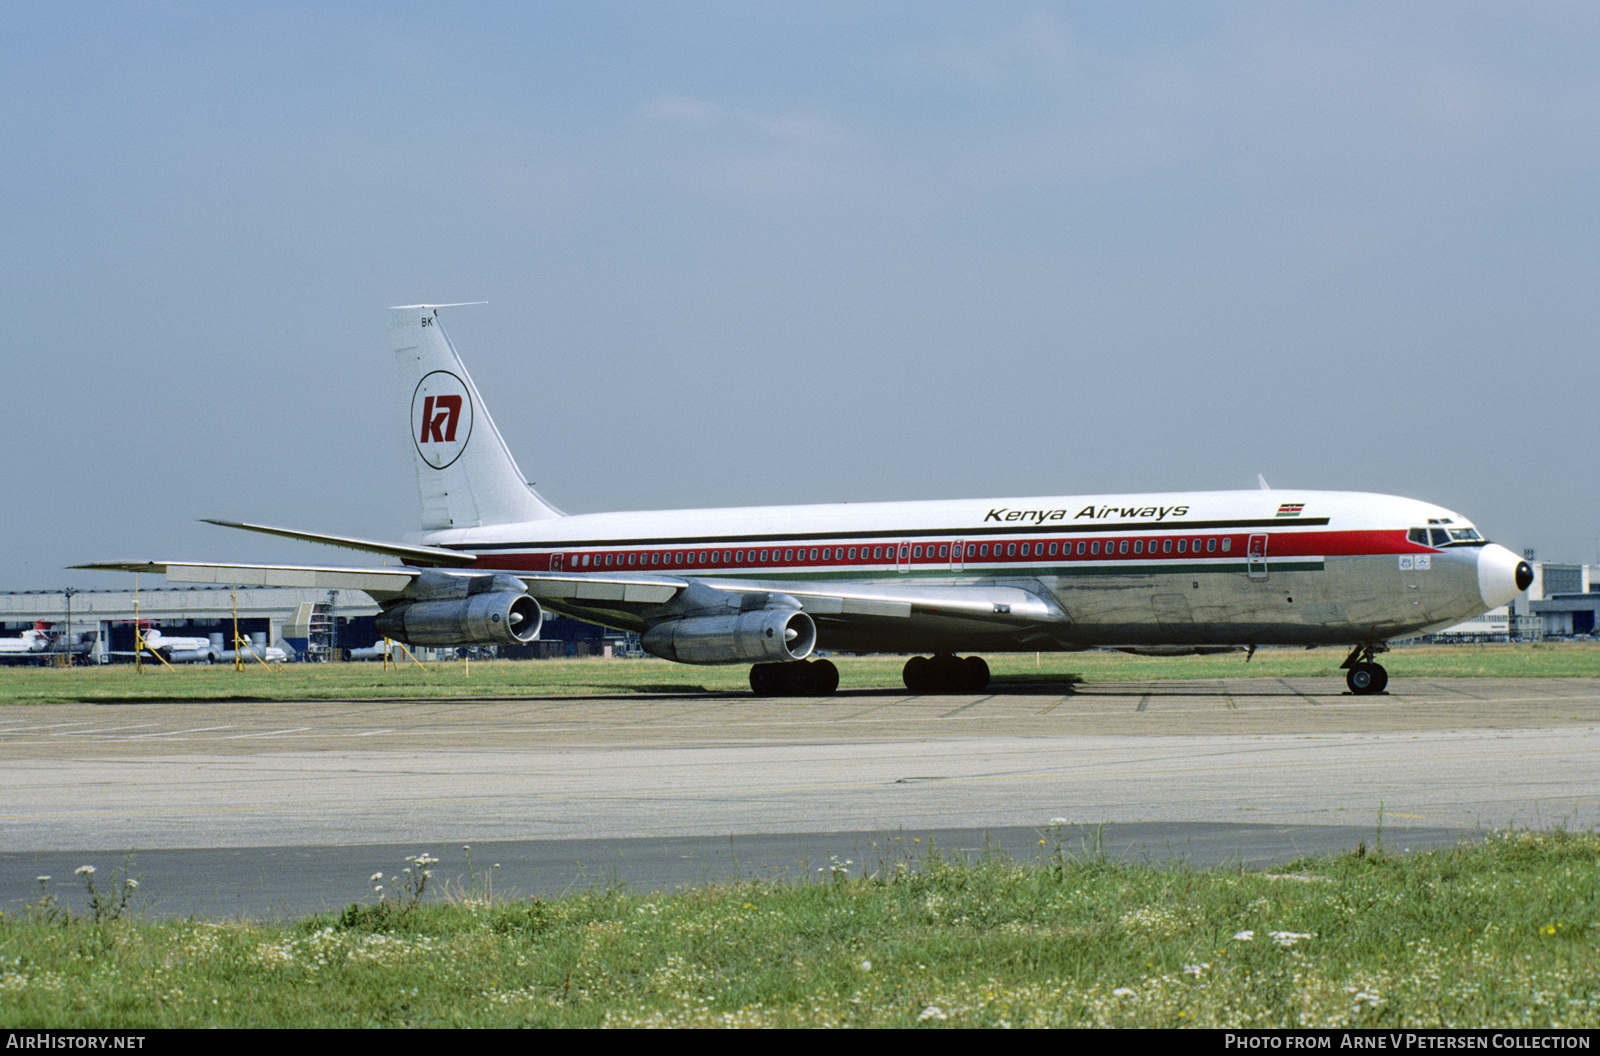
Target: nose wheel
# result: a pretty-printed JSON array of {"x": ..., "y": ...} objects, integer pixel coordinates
[
  {"x": 1366, "y": 678},
  {"x": 1362, "y": 674}
]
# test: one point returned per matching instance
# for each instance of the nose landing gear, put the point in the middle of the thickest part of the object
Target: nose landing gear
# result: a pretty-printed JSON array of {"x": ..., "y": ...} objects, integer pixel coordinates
[{"x": 1362, "y": 675}]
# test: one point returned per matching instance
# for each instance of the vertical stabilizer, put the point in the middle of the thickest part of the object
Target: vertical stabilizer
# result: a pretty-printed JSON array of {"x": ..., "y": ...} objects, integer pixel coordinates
[{"x": 465, "y": 474}]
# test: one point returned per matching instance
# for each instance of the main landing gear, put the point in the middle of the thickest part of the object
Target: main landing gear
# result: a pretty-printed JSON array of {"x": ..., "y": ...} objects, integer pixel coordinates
[
  {"x": 945, "y": 673},
  {"x": 1361, "y": 674},
  {"x": 799, "y": 678}
]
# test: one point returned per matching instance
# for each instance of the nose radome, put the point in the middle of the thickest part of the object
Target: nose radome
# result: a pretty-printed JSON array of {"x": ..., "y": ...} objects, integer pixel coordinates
[{"x": 1502, "y": 575}]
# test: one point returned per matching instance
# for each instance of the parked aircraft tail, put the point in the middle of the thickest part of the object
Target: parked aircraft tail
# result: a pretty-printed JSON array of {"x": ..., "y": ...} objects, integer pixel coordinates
[{"x": 466, "y": 476}]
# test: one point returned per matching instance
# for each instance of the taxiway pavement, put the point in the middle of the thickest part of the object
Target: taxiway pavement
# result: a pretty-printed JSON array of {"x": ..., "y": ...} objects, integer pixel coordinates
[{"x": 290, "y": 807}]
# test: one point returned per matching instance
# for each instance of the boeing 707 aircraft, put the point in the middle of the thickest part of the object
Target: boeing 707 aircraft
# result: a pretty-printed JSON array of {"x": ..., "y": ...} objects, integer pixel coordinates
[{"x": 768, "y": 586}]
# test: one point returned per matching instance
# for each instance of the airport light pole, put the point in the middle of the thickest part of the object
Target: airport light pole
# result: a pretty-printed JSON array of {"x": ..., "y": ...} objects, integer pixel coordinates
[{"x": 66, "y": 636}]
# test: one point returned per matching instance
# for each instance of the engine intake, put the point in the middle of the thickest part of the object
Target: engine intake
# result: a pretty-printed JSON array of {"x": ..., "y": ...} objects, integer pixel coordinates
[
  {"x": 754, "y": 637},
  {"x": 497, "y": 618}
]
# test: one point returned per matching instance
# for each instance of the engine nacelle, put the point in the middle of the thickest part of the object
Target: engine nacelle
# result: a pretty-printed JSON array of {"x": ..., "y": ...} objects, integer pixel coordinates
[
  {"x": 500, "y": 617},
  {"x": 758, "y": 636}
]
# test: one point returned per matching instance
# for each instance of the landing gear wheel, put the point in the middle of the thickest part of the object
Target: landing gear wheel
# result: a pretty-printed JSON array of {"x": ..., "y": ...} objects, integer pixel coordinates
[
  {"x": 1366, "y": 678},
  {"x": 918, "y": 675},
  {"x": 977, "y": 674},
  {"x": 824, "y": 678},
  {"x": 819, "y": 678},
  {"x": 766, "y": 680},
  {"x": 945, "y": 673}
]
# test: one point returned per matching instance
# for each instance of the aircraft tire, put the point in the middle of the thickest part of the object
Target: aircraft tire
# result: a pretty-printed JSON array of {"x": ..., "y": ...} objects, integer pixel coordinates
[
  {"x": 824, "y": 677},
  {"x": 918, "y": 675},
  {"x": 766, "y": 680},
  {"x": 954, "y": 674},
  {"x": 1366, "y": 678},
  {"x": 977, "y": 673},
  {"x": 946, "y": 674}
]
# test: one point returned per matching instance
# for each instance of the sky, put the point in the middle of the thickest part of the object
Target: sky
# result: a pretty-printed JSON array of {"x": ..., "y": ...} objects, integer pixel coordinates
[{"x": 744, "y": 253}]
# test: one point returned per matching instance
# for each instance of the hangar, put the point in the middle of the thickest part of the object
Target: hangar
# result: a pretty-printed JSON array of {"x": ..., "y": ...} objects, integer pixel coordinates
[
  {"x": 310, "y": 624},
  {"x": 302, "y": 621},
  {"x": 1565, "y": 599}
]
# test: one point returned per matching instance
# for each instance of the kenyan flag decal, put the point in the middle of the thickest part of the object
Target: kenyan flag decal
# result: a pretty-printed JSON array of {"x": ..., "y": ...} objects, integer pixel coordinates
[{"x": 1291, "y": 509}]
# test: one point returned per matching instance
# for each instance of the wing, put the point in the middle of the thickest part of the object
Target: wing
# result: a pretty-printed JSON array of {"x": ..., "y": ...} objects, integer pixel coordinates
[{"x": 864, "y": 617}]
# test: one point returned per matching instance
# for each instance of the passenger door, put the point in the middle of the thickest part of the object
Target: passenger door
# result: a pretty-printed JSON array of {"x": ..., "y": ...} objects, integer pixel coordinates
[{"x": 1256, "y": 557}]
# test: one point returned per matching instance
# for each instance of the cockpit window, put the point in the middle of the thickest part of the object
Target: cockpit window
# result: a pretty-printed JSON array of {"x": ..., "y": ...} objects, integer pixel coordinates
[{"x": 1441, "y": 537}]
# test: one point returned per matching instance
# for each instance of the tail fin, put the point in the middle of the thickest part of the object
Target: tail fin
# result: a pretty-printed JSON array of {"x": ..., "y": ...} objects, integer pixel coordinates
[{"x": 465, "y": 473}]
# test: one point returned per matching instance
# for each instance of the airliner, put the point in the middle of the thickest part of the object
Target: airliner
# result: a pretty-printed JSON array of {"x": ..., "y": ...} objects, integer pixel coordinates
[
  {"x": 769, "y": 586},
  {"x": 42, "y": 641}
]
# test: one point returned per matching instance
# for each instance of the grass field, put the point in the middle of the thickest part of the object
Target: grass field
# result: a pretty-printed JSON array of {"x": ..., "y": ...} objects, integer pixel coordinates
[
  {"x": 1502, "y": 933},
  {"x": 358, "y": 681}
]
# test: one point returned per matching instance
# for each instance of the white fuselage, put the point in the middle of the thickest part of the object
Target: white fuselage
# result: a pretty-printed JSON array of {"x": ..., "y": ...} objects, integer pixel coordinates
[{"x": 1204, "y": 568}]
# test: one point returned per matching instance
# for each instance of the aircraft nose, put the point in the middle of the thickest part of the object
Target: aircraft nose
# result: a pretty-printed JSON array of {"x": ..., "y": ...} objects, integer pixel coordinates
[{"x": 1502, "y": 575}]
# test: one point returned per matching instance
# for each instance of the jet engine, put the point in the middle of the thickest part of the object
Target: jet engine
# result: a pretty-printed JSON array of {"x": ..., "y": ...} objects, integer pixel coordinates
[
  {"x": 757, "y": 636},
  {"x": 476, "y": 610}
]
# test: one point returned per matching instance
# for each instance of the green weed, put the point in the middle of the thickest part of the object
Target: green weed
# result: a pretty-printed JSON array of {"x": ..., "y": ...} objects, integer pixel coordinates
[{"x": 1503, "y": 932}]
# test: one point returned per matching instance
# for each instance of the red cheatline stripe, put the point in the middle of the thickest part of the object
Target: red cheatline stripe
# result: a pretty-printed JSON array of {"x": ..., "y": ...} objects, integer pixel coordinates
[{"x": 1280, "y": 545}]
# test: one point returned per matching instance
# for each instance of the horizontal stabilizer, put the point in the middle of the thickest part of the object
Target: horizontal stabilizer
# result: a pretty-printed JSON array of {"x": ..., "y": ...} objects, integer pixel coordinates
[
  {"x": 430, "y": 555},
  {"x": 377, "y": 581}
]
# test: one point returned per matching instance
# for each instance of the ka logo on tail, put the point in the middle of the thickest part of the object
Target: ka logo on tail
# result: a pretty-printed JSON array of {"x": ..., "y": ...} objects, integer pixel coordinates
[{"x": 441, "y": 418}]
